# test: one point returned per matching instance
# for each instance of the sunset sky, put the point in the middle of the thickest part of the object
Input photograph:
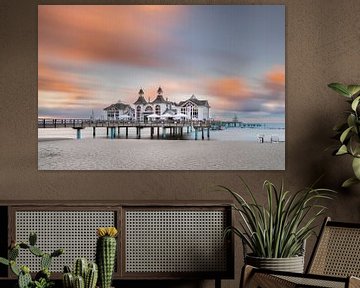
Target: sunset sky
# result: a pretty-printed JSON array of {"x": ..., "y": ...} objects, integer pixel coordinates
[{"x": 233, "y": 56}]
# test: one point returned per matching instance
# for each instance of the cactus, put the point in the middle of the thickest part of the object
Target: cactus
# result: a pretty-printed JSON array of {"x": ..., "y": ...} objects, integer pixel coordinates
[
  {"x": 42, "y": 278},
  {"x": 45, "y": 261},
  {"x": 88, "y": 273},
  {"x": 44, "y": 273},
  {"x": 105, "y": 254},
  {"x": 13, "y": 253},
  {"x": 68, "y": 280},
  {"x": 57, "y": 253},
  {"x": 24, "y": 280},
  {"x": 24, "y": 245},
  {"x": 32, "y": 239},
  {"x": 91, "y": 276},
  {"x": 79, "y": 282},
  {"x": 67, "y": 269},
  {"x": 80, "y": 267},
  {"x": 14, "y": 268},
  {"x": 36, "y": 251}
]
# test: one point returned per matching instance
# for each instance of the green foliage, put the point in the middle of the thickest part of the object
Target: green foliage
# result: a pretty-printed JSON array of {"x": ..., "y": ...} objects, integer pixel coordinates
[
  {"x": 42, "y": 278},
  {"x": 4, "y": 261},
  {"x": 349, "y": 131},
  {"x": 42, "y": 283},
  {"x": 279, "y": 229}
]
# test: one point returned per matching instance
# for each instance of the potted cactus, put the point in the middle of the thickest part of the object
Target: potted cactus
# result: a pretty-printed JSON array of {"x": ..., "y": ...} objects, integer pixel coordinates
[
  {"x": 42, "y": 278},
  {"x": 85, "y": 275},
  {"x": 106, "y": 254}
]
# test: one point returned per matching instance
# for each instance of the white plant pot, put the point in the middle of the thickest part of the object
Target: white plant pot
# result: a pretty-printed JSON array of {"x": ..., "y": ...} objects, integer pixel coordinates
[{"x": 291, "y": 264}]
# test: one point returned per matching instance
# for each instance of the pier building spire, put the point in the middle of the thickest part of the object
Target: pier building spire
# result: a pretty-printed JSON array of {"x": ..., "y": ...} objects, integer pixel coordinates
[{"x": 141, "y": 99}]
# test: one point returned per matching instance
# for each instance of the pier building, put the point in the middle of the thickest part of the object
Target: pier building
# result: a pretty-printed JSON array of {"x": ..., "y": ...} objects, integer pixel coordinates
[
  {"x": 118, "y": 110},
  {"x": 193, "y": 108}
]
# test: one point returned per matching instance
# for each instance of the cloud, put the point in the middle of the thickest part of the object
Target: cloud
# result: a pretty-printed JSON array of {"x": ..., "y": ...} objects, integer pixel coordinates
[
  {"x": 274, "y": 81},
  {"x": 237, "y": 94},
  {"x": 228, "y": 88},
  {"x": 59, "y": 88},
  {"x": 106, "y": 33}
]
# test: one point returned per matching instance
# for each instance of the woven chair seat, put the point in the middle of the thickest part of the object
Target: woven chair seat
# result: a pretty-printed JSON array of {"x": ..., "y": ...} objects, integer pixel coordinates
[{"x": 335, "y": 262}]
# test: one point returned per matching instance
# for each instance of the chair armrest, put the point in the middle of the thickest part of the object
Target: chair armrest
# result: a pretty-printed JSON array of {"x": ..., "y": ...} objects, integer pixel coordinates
[
  {"x": 255, "y": 277},
  {"x": 354, "y": 282}
]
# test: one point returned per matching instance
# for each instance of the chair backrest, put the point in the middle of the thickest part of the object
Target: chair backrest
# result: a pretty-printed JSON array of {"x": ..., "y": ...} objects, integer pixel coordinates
[{"x": 337, "y": 251}]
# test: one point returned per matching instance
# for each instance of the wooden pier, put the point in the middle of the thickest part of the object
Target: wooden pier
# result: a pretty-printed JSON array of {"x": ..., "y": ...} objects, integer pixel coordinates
[{"x": 173, "y": 128}]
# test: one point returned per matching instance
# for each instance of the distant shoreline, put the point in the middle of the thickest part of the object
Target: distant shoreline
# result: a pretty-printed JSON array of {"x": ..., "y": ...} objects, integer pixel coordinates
[{"x": 54, "y": 139}]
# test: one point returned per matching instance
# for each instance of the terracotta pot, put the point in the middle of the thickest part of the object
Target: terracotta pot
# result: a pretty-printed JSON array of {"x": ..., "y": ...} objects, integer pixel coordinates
[{"x": 291, "y": 264}]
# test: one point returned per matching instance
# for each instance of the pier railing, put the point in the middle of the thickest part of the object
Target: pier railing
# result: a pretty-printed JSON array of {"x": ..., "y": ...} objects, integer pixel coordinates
[{"x": 82, "y": 123}]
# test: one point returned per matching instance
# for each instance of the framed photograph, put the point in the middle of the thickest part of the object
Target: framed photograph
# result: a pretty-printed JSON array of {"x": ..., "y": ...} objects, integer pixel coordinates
[{"x": 161, "y": 87}]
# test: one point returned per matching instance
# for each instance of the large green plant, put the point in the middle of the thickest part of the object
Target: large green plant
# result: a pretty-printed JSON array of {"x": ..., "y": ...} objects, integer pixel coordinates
[
  {"x": 349, "y": 131},
  {"x": 279, "y": 229}
]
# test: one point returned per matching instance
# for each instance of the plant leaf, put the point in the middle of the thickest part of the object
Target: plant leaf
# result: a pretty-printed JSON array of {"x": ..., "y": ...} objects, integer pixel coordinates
[
  {"x": 345, "y": 134},
  {"x": 349, "y": 182},
  {"x": 351, "y": 119},
  {"x": 356, "y": 167},
  {"x": 355, "y": 103},
  {"x": 354, "y": 145},
  {"x": 353, "y": 89},
  {"x": 342, "y": 150},
  {"x": 340, "y": 88},
  {"x": 4, "y": 261}
]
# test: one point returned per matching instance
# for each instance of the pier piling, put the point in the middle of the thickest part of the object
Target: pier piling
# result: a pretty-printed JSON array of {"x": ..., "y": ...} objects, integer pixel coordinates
[
  {"x": 202, "y": 133},
  {"x": 139, "y": 133},
  {"x": 78, "y": 132},
  {"x": 94, "y": 132},
  {"x": 127, "y": 132}
]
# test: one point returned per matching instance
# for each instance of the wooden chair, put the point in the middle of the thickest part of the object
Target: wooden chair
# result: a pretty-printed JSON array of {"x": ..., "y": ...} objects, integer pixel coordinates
[{"x": 334, "y": 263}]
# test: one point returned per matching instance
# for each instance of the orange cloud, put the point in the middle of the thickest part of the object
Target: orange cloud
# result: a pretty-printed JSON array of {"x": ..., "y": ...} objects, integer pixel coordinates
[
  {"x": 112, "y": 33},
  {"x": 275, "y": 79},
  {"x": 58, "y": 88},
  {"x": 227, "y": 91},
  {"x": 229, "y": 88}
]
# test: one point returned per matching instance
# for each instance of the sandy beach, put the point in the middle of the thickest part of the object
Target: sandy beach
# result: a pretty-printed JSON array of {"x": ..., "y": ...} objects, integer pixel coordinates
[{"x": 147, "y": 154}]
